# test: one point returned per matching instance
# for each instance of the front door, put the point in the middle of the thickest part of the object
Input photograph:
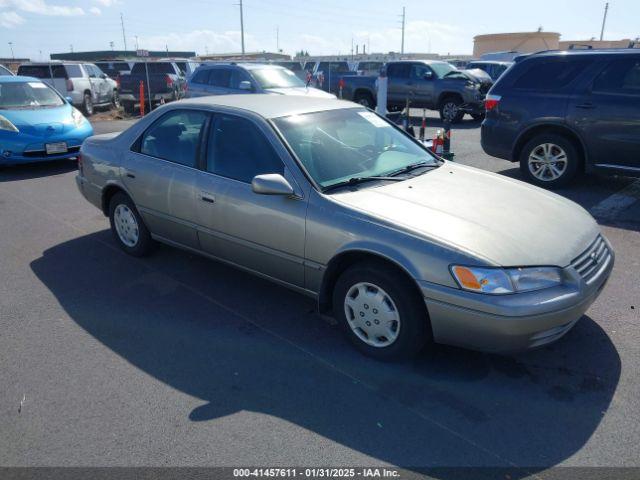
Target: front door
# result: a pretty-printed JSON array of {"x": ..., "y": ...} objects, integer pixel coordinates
[
  {"x": 422, "y": 80},
  {"x": 263, "y": 233},
  {"x": 160, "y": 173},
  {"x": 608, "y": 115}
]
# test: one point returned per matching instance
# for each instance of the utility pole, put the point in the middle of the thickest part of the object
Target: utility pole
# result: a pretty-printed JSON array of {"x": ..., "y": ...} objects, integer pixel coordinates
[
  {"x": 124, "y": 38},
  {"x": 403, "y": 23},
  {"x": 604, "y": 20},
  {"x": 241, "y": 27},
  {"x": 137, "y": 47},
  {"x": 111, "y": 45},
  {"x": 13, "y": 57}
]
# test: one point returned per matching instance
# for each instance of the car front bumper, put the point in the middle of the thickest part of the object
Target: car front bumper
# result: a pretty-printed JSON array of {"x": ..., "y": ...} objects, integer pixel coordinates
[{"x": 516, "y": 322}]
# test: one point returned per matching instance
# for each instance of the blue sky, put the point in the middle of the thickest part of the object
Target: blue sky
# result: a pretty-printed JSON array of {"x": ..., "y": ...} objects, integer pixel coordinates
[{"x": 39, "y": 27}]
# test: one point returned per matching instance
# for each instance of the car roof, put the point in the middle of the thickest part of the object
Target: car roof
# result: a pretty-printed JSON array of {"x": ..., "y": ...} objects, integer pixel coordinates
[
  {"x": 18, "y": 79},
  {"x": 586, "y": 51},
  {"x": 248, "y": 66},
  {"x": 492, "y": 62},
  {"x": 269, "y": 106}
]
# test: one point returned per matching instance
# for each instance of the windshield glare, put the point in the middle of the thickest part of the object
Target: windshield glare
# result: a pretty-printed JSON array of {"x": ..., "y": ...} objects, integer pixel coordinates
[
  {"x": 442, "y": 68},
  {"x": 276, "y": 78},
  {"x": 28, "y": 95},
  {"x": 337, "y": 145}
]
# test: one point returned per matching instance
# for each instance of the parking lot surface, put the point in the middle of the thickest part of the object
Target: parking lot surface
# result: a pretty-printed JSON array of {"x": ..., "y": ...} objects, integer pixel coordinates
[{"x": 176, "y": 360}]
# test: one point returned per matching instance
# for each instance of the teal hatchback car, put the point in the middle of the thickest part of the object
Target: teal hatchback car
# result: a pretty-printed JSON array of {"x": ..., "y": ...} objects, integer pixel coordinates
[{"x": 37, "y": 123}]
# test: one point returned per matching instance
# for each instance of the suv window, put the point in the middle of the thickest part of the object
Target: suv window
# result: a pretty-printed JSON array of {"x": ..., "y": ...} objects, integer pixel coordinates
[
  {"x": 238, "y": 150},
  {"x": 90, "y": 71},
  {"x": 202, "y": 76},
  {"x": 238, "y": 76},
  {"x": 620, "y": 76},
  {"x": 399, "y": 70},
  {"x": 72, "y": 71},
  {"x": 42, "y": 71},
  {"x": 175, "y": 137},
  {"x": 220, "y": 77},
  {"x": 154, "y": 67},
  {"x": 418, "y": 71},
  {"x": 550, "y": 75}
]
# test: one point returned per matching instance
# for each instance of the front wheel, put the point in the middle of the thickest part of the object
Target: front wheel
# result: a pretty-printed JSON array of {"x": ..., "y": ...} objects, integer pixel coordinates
[
  {"x": 128, "y": 228},
  {"x": 115, "y": 100},
  {"x": 450, "y": 110},
  {"x": 364, "y": 99},
  {"x": 380, "y": 311},
  {"x": 549, "y": 160}
]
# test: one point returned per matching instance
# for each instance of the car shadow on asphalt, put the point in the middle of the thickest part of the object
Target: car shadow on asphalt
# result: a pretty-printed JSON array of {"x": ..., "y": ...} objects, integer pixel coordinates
[
  {"x": 34, "y": 170},
  {"x": 240, "y": 343}
]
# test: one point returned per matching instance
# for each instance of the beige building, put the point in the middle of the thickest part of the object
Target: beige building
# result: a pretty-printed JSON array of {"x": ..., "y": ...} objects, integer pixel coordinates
[{"x": 523, "y": 42}]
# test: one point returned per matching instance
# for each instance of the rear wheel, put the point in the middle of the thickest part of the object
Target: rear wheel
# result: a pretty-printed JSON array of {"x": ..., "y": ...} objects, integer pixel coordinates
[
  {"x": 365, "y": 99},
  {"x": 380, "y": 311},
  {"x": 127, "y": 226},
  {"x": 450, "y": 110},
  {"x": 549, "y": 160},
  {"x": 87, "y": 104}
]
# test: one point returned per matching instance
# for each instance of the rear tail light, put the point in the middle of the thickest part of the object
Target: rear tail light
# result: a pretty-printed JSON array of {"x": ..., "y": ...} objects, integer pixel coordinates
[
  {"x": 169, "y": 81},
  {"x": 491, "y": 102},
  {"x": 69, "y": 85}
]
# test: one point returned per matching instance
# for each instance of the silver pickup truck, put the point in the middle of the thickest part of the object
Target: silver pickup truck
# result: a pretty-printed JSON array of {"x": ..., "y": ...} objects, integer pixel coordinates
[{"x": 434, "y": 85}]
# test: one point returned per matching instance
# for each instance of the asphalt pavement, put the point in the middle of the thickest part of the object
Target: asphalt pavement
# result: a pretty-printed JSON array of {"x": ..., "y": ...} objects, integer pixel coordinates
[{"x": 176, "y": 360}]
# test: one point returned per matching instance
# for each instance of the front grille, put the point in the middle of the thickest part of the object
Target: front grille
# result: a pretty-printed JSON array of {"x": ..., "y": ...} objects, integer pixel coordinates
[
  {"x": 588, "y": 263},
  {"x": 43, "y": 153}
]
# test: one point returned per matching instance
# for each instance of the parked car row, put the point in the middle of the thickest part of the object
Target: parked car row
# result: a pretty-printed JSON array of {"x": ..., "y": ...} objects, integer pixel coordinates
[{"x": 84, "y": 83}]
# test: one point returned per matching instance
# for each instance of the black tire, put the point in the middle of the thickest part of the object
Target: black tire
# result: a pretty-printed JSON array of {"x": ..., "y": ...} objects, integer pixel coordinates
[
  {"x": 115, "y": 100},
  {"x": 129, "y": 108},
  {"x": 451, "y": 102},
  {"x": 414, "y": 326},
  {"x": 478, "y": 117},
  {"x": 365, "y": 99},
  {"x": 87, "y": 104},
  {"x": 145, "y": 243},
  {"x": 573, "y": 160}
]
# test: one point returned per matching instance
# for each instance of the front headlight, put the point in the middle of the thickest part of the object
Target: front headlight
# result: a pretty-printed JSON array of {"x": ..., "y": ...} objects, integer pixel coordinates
[
  {"x": 472, "y": 85},
  {"x": 499, "y": 281},
  {"x": 78, "y": 118},
  {"x": 5, "y": 124}
]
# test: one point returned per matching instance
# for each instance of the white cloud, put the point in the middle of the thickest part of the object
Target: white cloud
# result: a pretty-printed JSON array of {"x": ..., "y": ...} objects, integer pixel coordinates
[
  {"x": 201, "y": 41},
  {"x": 95, "y": 10},
  {"x": 107, "y": 3},
  {"x": 10, "y": 19},
  {"x": 40, "y": 7}
]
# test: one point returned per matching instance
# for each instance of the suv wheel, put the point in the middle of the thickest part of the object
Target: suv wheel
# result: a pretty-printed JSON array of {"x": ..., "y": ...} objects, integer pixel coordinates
[
  {"x": 450, "y": 110},
  {"x": 549, "y": 160},
  {"x": 128, "y": 228},
  {"x": 87, "y": 104},
  {"x": 380, "y": 312}
]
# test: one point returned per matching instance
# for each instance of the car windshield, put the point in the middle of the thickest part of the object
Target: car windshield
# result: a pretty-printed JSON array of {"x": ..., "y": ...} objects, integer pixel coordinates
[
  {"x": 338, "y": 145},
  {"x": 276, "y": 78},
  {"x": 28, "y": 95},
  {"x": 442, "y": 68}
]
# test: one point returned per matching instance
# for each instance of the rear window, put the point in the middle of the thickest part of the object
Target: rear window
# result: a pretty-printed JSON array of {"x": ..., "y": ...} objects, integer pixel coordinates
[
  {"x": 620, "y": 76},
  {"x": 550, "y": 75},
  {"x": 154, "y": 67},
  {"x": 334, "y": 67}
]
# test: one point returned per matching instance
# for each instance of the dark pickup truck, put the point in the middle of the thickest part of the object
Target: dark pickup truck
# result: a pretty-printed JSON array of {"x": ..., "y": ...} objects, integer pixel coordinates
[
  {"x": 326, "y": 75},
  {"x": 165, "y": 78},
  {"x": 434, "y": 85}
]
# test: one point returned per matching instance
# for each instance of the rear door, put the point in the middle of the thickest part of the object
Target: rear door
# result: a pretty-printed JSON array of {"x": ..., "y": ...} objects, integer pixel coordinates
[
  {"x": 398, "y": 89},
  {"x": 160, "y": 173},
  {"x": 608, "y": 114},
  {"x": 94, "y": 81},
  {"x": 263, "y": 233}
]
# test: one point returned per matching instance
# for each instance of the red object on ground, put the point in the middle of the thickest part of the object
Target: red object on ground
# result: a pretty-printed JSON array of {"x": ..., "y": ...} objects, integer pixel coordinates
[{"x": 141, "y": 98}]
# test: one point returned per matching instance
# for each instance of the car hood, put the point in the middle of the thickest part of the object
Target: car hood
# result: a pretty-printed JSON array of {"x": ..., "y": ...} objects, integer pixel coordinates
[
  {"x": 502, "y": 221},
  {"x": 305, "y": 91},
  {"x": 41, "y": 121}
]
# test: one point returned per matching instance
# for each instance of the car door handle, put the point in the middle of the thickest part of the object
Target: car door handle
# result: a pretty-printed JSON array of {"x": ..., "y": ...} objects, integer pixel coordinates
[
  {"x": 130, "y": 174},
  {"x": 586, "y": 106},
  {"x": 207, "y": 197}
]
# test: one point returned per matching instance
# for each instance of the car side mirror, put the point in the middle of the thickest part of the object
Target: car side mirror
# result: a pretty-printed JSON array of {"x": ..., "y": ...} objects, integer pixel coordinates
[
  {"x": 69, "y": 100},
  {"x": 103, "y": 76},
  {"x": 245, "y": 85},
  {"x": 428, "y": 76},
  {"x": 271, "y": 184}
]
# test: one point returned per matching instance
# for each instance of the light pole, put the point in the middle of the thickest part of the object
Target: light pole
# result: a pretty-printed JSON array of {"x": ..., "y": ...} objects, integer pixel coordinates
[{"x": 13, "y": 57}]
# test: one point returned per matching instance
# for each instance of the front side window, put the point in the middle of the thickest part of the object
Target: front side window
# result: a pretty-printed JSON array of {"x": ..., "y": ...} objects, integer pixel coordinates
[
  {"x": 239, "y": 150},
  {"x": 28, "y": 95},
  {"x": 175, "y": 137},
  {"x": 620, "y": 76},
  {"x": 419, "y": 71},
  {"x": 337, "y": 145},
  {"x": 238, "y": 76}
]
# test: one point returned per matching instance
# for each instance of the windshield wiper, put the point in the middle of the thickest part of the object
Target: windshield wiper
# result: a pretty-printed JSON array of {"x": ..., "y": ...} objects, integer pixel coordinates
[
  {"x": 358, "y": 180},
  {"x": 414, "y": 166}
]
